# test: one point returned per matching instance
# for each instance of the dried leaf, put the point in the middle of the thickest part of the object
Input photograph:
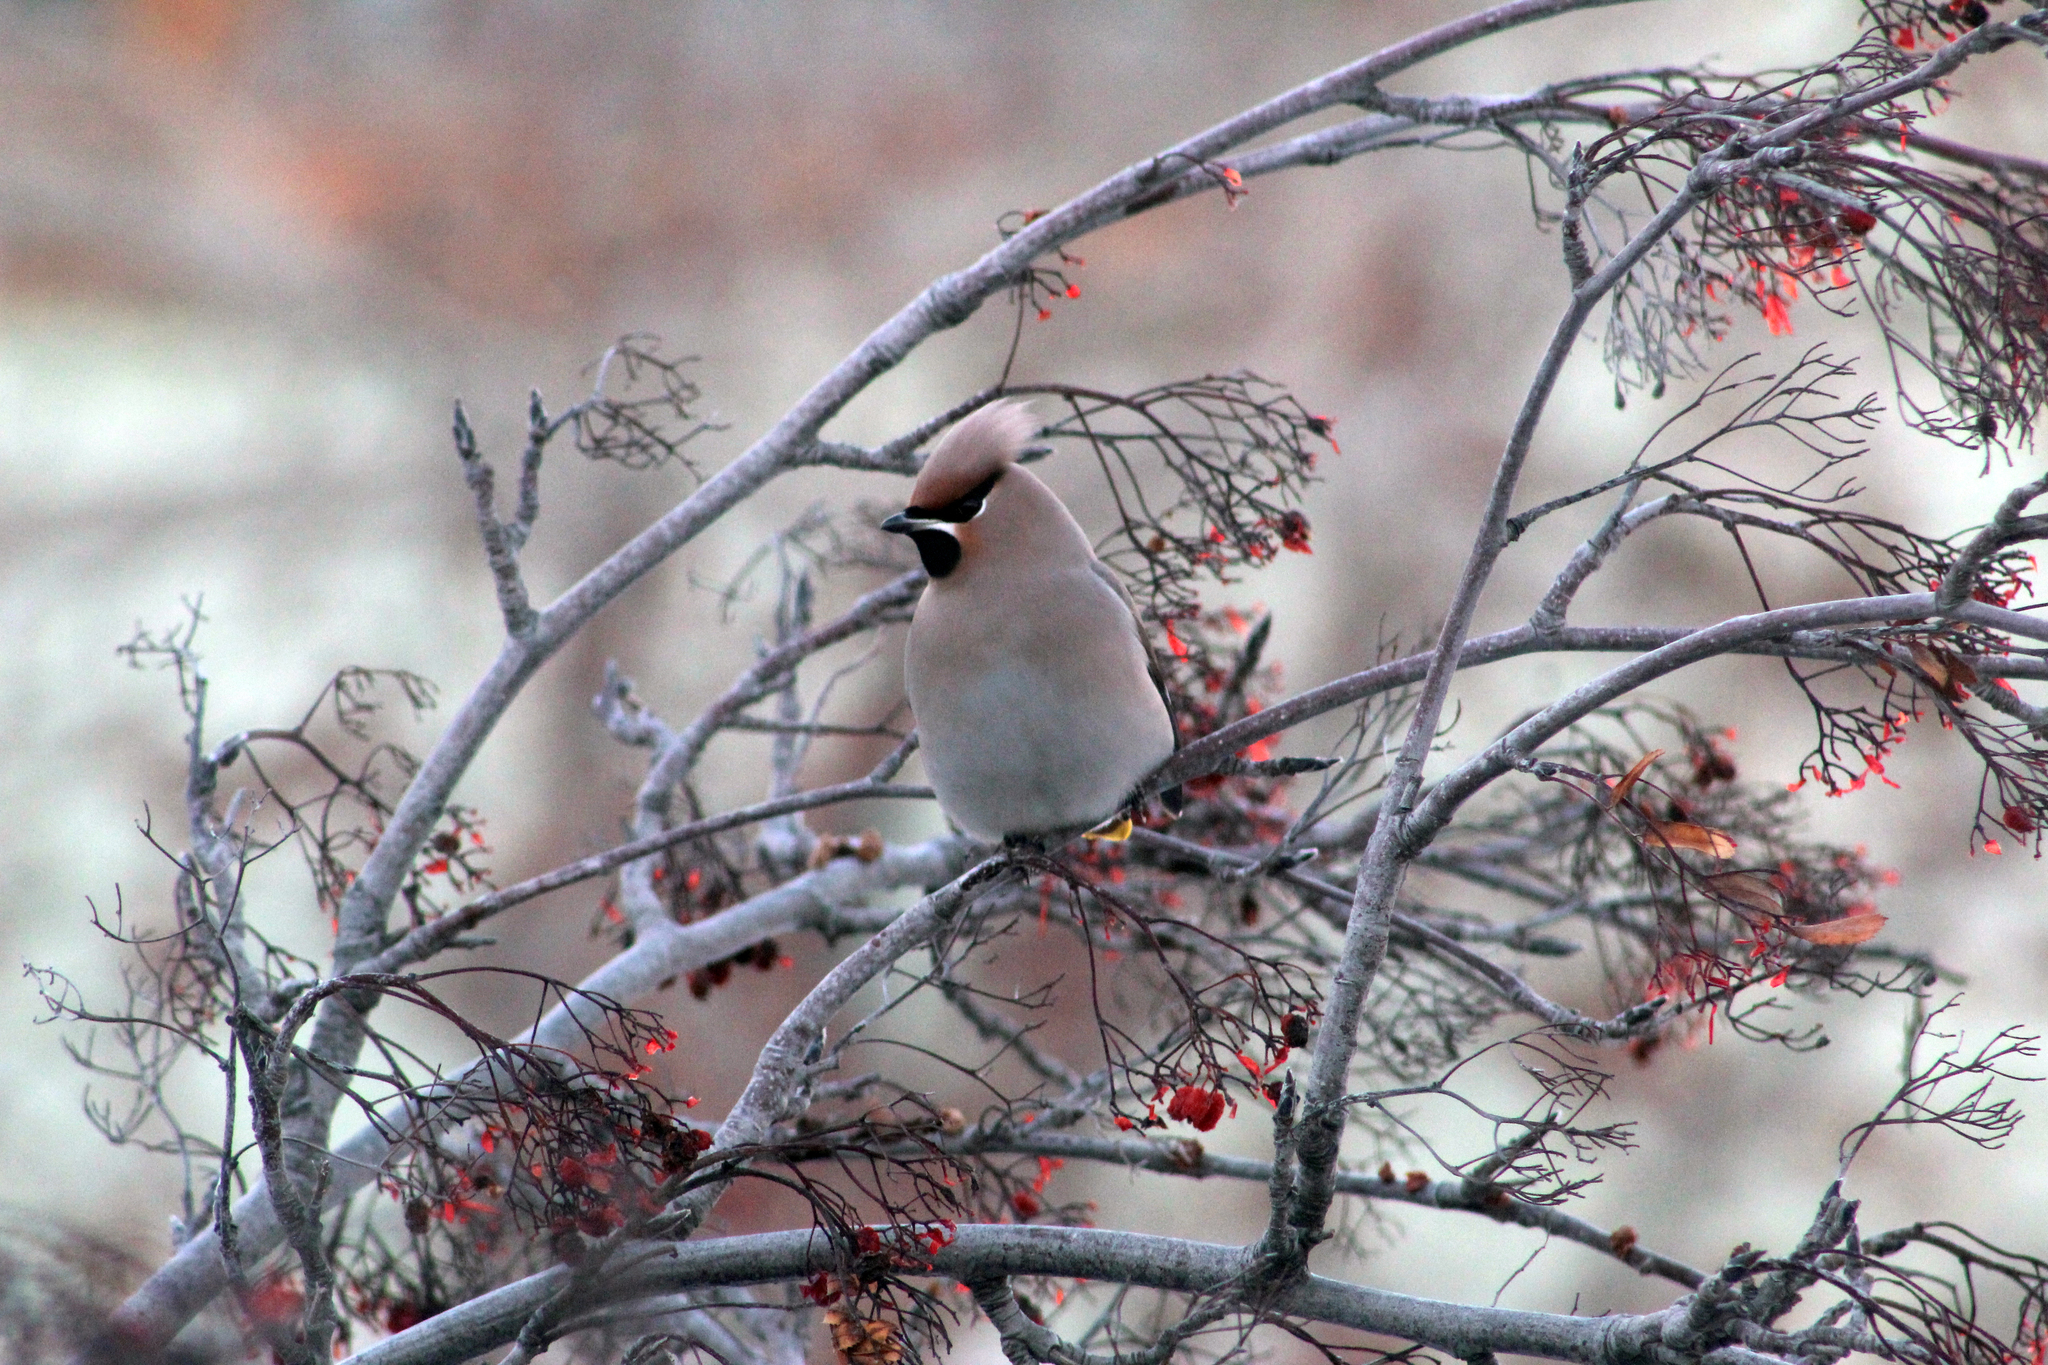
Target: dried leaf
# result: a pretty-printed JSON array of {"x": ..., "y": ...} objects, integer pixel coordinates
[
  {"x": 863, "y": 1341},
  {"x": 1946, "y": 673},
  {"x": 1745, "y": 890},
  {"x": 1624, "y": 784},
  {"x": 1930, "y": 664},
  {"x": 1836, "y": 932},
  {"x": 1697, "y": 838},
  {"x": 867, "y": 847}
]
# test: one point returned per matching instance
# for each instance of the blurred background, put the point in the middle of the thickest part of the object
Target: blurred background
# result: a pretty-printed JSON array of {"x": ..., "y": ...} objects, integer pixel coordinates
[{"x": 250, "y": 251}]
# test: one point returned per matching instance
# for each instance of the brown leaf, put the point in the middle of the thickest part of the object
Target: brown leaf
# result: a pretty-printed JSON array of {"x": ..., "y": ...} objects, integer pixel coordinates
[
  {"x": 1930, "y": 664},
  {"x": 866, "y": 847},
  {"x": 1697, "y": 838},
  {"x": 1622, "y": 1239},
  {"x": 1624, "y": 784},
  {"x": 863, "y": 1341},
  {"x": 1745, "y": 890},
  {"x": 1954, "y": 673},
  {"x": 1835, "y": 932}
]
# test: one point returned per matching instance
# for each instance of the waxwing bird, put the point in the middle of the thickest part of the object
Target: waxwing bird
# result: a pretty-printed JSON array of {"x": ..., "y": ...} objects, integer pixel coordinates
[{"x": 1038, "y": 705}]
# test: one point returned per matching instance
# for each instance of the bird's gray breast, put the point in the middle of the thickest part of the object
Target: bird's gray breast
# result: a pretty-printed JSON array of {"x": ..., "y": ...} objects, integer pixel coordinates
[{"x": 1034, "y": 707}]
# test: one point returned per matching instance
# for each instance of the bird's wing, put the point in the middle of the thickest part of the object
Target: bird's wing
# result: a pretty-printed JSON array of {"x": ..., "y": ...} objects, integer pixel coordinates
[{"x": 1171, "y": 797}]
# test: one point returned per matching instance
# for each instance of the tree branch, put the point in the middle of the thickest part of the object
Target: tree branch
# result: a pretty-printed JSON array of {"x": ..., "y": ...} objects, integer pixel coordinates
[
  {"x": 984, "y": 1251},
  {"x": 1185, "y": 1157}
]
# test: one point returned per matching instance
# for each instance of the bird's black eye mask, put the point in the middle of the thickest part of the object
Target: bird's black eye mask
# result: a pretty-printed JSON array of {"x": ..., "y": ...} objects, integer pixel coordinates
[
  {"x": 966, "y": 507},
  {"x": 938, "y": 548}
]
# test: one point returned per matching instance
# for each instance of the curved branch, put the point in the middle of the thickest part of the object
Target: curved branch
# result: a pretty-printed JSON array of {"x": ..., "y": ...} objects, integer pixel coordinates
[
  {"x": 984, "y": 1251},
  {"x": 1188, "y": 1158},
  {"x": 765, "y": 676},
  {"x": 1517, "y": 746},
  {"x": 779, "y": 1068},
  {"x": 1202, "y": 756},
  {"x": 1511, "y": 989},
  {"x": 436, "y": 934}
]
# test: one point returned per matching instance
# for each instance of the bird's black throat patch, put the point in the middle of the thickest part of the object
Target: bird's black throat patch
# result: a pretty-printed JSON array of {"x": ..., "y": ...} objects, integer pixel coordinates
[{"x": 940, "y": 551}]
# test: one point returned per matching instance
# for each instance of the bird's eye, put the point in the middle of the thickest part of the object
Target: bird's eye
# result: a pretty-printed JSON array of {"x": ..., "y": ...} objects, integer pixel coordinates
[{"x": 968, "y": 505}]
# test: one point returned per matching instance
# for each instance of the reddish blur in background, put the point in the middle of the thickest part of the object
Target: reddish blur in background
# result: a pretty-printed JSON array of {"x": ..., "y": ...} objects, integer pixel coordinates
[{"x": 250, "y": 250}]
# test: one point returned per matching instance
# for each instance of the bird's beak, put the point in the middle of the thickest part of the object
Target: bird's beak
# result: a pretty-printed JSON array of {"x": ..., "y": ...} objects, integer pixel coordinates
[{"x": 902, "y": 525}]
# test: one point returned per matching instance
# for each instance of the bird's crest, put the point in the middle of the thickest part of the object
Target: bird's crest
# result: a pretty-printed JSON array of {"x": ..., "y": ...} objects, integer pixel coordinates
[{"x": 980, "y": 445}]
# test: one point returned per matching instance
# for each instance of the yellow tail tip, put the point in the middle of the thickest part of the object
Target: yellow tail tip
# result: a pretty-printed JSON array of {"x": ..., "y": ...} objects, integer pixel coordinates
[{"x": 1112, "y": 831}]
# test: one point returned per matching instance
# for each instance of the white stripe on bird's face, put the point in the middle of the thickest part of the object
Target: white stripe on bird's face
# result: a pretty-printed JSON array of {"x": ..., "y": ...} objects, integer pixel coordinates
[{"x": 931, "y": 529}]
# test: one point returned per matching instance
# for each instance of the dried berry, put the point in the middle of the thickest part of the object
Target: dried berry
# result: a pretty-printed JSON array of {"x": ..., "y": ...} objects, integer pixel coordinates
[{"x": 1294, "y": 1029}]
